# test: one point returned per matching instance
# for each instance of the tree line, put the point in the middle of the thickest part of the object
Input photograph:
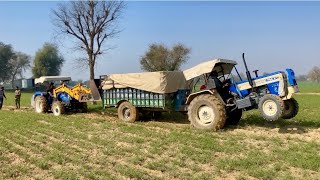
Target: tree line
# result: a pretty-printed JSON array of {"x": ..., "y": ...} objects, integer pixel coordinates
[
  {"x": 91, "y": 24},
  {"x": 312, "y": 75},
  {"x": 47, "y": 61}
]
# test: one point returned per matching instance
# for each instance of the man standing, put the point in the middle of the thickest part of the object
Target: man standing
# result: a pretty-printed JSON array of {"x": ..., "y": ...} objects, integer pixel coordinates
[
  {"x": 2, "y": 95},
  {"x": 17, "y": 96}
]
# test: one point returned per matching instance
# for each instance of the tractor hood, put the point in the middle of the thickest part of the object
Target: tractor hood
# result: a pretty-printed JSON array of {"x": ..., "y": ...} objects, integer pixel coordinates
[
  {"x": 209, "y": 66},
  {"x": 43, "y": 79}
]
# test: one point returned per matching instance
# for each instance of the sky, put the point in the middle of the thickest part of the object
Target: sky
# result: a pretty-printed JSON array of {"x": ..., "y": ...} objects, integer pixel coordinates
[{"x": 274, "y": 35}]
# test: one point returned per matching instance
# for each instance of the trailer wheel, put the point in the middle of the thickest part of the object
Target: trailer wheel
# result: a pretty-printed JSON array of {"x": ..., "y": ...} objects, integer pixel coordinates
[
  {"x": 234, "y": 117},
  {"x": 207, "y": 112},
  {"x": 127, "y": 112},
  {"x": 58, "y": 108},
  {"x": 41, "y": 104},
  {"x": 291, "y": 108},
  {"x": 271, "y": 107}
]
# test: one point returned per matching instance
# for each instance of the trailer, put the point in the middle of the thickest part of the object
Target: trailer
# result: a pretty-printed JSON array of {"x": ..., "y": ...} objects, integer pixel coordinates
[
  {"x": 144, "y": 93},
  {"x": 207, "y": 92}
]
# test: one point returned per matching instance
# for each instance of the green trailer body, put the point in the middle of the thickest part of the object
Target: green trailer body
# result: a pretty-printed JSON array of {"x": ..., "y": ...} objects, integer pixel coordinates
[{"x": 144, "y": 99}]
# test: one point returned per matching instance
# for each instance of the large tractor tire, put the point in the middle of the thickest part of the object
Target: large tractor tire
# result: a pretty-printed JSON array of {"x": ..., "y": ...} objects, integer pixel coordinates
[
  {"x": 271, "y": 107},
  {"x": 234, "y": 117},
  {"x": 127, "y": 112},
  {"x": 41, "y": 104},
  {"x": 207, "y": 112},
  {"x": 291, "y": 108},
  {"x": 58, "y": 108}
]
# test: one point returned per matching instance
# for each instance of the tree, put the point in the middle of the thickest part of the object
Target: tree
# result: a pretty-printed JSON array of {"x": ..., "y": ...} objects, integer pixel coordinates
[
  {"x": 161, "y": 58},
  {"x": 47, "y": 61},
  {"x": 91, "y": 23},
  {"x": 20, "y": 62},
  {"x": 302, "y": 77},
  {"x": 6, "y": 53},
  {"x": 314, "y": 74}
]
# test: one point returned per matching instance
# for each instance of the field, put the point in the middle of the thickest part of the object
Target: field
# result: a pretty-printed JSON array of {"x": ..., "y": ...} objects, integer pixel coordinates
[
  {"x": 98, "y": 146},
  {"x": 309, "y": 87}
]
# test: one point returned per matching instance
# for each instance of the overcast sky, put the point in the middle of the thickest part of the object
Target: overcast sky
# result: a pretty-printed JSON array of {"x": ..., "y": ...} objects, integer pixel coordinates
[{"x": 274, "y": 35}]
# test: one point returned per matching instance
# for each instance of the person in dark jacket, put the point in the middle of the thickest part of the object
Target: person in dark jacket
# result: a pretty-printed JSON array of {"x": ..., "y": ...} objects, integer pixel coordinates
[
  {"x": 50, "y": 88},
  {"x": 2, "y": 95}
]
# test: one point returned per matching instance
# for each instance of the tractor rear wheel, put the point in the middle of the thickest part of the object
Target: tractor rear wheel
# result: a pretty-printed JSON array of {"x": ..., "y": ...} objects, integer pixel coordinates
[
  {"x": 41, "y": 104},
  {"x": 234, "y": 117},
  {"x": 127, "y": 112},
  {"x": 207, "y": 112},
  {"x": 271, "y": 107},
  {"x": 58, "y": 108},
  {"x": 291, "y": 108}
]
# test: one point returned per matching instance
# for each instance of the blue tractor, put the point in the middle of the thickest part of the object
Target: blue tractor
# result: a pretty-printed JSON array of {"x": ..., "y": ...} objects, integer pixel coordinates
[
  {"x": 217, "y": 99},
  {"x": 62, "y": 98}
]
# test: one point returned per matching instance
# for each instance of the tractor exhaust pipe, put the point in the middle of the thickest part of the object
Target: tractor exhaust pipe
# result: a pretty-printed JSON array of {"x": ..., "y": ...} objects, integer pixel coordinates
[{"x": 247, "y": 71}]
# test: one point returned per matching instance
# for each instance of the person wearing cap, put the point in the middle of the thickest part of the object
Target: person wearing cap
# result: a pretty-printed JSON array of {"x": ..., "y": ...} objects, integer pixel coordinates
[
  {"x": 2, "y": 95},
  {"x": 17, "y": 97}
]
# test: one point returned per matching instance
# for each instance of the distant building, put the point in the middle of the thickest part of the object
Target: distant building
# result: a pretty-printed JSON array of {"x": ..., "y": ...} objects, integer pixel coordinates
[{"x": 22, "y": 83}]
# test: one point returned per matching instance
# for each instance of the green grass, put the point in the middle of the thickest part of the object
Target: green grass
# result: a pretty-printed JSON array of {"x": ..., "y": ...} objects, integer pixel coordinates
[
  {"x": 25, "y": 98},
  {"x": 94, "y": 146},
  {"x": 309, "y": 87}
]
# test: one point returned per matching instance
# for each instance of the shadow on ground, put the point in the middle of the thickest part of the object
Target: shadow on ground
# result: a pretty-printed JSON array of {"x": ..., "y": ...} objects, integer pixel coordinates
[{"x": 295, "y": 125}]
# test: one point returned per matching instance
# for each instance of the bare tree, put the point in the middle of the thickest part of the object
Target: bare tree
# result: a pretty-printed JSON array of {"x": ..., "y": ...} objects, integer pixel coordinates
[
  {"x": 314, "y": 74},
  {"x": 91, "y": 23}
]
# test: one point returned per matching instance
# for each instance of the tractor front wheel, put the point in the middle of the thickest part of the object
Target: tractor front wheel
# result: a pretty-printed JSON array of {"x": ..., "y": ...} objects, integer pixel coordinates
[
  {"x": 207, "y": 112},
  {"x": 58, "y": 108},
  {"x": 291, "y": 108},
  {"x": 127, "y": 112},
  {"x": 41, "y": 104},
  {"x": 271, "y": 107}
]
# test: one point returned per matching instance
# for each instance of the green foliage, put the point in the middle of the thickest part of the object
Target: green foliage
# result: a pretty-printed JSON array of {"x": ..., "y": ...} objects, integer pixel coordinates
[
  {"x": 161, "y": 58},
  {"x": 19, "y": 63},
  {"x": 6, "y": 53},
  {"x": 48, "y": 61}
]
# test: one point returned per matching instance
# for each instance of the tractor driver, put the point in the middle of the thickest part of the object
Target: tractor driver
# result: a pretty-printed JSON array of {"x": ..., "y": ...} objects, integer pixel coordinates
[
  {"x": 213, "y": 82},
  {"x": 50, "y": 89}
]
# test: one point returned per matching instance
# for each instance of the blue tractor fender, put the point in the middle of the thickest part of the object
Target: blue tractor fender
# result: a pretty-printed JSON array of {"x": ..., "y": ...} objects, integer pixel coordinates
[
  {"x": 291, "y": 77},
  {"x": 34, "y": 97}
]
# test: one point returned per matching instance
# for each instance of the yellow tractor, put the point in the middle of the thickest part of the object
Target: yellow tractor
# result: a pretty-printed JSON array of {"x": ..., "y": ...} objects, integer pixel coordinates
[{"x": 62, "y": 98}]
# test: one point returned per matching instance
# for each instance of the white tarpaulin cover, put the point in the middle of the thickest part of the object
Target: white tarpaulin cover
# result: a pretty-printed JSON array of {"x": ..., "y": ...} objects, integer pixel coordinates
[
  {"x": 158, "y": 82},
  {"x": 51, "y": 78},
  {"x": 208, "y": 66},
  {"x": 166, "y": 81}
]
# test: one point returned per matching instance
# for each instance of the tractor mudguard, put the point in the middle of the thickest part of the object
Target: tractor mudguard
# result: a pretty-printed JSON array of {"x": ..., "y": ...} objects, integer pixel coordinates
[
  {"x": 213, "y": 91},
  {"x": 34, "y": 97}
]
